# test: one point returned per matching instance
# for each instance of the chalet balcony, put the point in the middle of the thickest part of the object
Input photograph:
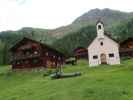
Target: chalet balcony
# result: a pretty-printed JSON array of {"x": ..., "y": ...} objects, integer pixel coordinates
[
  {"x": 81, "y": 53},
  {"x": 126, "y": 50},
  {"x": 22, "y": 57}
]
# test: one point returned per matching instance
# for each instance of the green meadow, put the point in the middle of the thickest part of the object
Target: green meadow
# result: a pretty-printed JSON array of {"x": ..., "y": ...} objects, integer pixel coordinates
[{"x": 104, "y": 82}]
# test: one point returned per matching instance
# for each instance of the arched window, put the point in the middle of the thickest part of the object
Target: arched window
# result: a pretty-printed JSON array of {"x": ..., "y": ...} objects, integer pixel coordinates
[
  {"x": 99, "y": 27},
  {"x": 101, "y": 43}
]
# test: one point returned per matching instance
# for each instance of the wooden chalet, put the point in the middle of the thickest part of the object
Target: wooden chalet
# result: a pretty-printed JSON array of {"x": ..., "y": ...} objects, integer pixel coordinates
[
  {"x": 81, "y": 53},
  {"x": 29, "y": 53},
  {"x": 126, "y": 48}
]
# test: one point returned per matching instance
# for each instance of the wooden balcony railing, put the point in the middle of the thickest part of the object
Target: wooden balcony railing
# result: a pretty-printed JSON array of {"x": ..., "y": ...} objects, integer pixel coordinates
[
  {"x": 22, "y": 57},
  {"x": 126, "y": 50}
]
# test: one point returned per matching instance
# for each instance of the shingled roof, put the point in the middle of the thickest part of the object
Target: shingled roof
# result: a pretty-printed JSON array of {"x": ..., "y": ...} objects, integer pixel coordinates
[
  {"x": 99, "y": 21},
  {"x": 33, "y": 40}
]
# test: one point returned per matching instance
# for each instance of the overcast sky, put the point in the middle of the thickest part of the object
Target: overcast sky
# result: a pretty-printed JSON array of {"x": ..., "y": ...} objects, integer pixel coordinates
[{"x": 15, "y": 14}]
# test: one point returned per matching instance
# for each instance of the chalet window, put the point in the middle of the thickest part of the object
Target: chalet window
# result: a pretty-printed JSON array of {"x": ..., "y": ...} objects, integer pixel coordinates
[
  {"x": 21, "y": 62},
  {"x": 46, "y": 53},
  {"x": 35, "y": 61},
  {"x": 59, "y": 58},
  {"x": 101, "y": 43},
  {"x": 14, "y": 62},
  {"x": 26, "y": 61},
  {"x": 111, "y": 55},
  {"x": 35, "y": 52},
  {"x": 17, "y": 62},
  {"x": 95, "y": 57},
  {"x": 27, "y": 51},
  {"x": 53, "y": 63},
  {"x": 99, "y": 27}
]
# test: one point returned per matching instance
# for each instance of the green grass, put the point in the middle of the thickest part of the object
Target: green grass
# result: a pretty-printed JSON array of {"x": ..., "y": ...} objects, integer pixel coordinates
[{"x": 99, "y": 83}]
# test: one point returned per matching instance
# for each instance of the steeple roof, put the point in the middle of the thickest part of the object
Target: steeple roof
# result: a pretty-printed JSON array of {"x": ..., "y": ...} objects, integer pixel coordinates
[{"x": 99, "y": 21}]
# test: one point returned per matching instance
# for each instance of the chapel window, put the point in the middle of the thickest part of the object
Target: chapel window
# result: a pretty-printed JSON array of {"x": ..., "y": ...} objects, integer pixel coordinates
[
  {"x": 95, "y": 57},
  {"x": 111, "y": 55},
  {"x": 99, "y": 27},
  {"x": 101, "y": 43}
]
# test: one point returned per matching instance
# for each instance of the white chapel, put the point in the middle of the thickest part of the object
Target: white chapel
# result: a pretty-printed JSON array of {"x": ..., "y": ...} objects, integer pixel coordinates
[{"x": 103, "y": 49}]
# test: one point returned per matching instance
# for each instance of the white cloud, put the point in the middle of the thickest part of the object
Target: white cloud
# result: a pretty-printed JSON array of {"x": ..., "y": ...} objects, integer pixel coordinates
[{"x": 15, "y": 14}]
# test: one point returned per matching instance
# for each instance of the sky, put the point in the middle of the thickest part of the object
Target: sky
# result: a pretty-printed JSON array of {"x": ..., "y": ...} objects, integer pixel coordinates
[{"x": 50, "y": 14}]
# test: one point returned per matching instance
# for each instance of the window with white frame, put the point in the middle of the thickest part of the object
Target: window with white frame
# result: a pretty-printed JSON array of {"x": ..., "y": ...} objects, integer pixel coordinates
[
  {"x": 95, "y": 57},
  {"x": 111, "y": 55}
]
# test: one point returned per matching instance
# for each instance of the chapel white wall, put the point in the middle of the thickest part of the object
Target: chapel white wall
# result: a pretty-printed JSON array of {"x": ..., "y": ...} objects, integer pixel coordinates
[{"x": 109, "y": 46}]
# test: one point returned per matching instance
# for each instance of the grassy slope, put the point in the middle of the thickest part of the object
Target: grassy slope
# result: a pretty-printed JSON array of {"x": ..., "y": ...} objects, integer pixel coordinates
[{"x": 101, "y": 83}]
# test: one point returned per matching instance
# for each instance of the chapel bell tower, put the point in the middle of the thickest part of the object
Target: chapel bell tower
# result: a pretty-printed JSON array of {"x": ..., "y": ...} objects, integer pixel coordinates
[{"x": 100, "y": 29}]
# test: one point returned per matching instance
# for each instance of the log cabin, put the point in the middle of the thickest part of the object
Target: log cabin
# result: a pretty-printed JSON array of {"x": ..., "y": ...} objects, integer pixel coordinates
[
  {"x": 126, "y": 48},
  {"x": 81, "y": 53},
  {"x": 28, "y": 53}
]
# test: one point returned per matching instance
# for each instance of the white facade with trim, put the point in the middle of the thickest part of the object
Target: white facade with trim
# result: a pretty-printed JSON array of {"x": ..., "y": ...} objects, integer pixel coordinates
[{"x": 103, "y": 49}]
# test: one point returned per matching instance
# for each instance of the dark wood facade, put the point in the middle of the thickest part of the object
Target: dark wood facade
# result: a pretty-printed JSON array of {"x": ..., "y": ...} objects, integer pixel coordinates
[
  {"x": 29, "y": 53},
  {"x": 126, "y": 48},
  {"x": 81, "y": 53}
]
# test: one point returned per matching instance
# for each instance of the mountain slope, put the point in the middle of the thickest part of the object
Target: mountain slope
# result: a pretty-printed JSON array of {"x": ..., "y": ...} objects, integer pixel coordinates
[
  {"x": 124, "y": 30},
  {"x": 80, "y": 38},
  {"x": 108, "y": 16},
  {"x": 111, "y": 19}
]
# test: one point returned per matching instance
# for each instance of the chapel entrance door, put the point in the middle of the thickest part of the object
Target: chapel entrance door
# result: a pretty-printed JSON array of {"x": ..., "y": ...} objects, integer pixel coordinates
[{"x": 103, "y": 58}]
